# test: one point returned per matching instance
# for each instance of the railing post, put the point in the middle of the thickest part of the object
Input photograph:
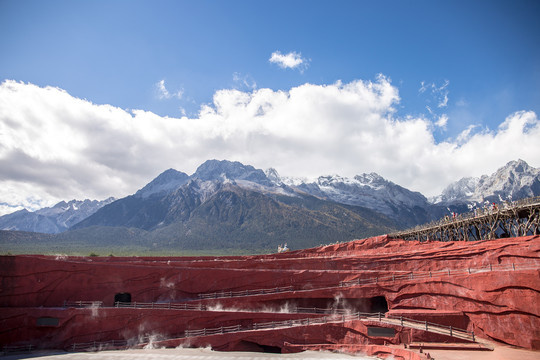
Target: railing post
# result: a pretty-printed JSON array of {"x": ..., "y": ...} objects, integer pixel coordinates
[
  {"x": 450, "y": 331},
  {"x": 514, "y": 266},
  {"x": 379, "y": 316},
  {"x": 426, "y": 325},
  {"x": 401, "y": 320},
  {"x": 473, "y": 336},
  {"x": 490, "y": 267}
]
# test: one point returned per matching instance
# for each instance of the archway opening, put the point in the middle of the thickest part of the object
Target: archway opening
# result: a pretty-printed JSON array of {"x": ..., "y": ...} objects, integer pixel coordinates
[
  {"x": 122, "y": 297},
  {"x": 378, "y": 304}
]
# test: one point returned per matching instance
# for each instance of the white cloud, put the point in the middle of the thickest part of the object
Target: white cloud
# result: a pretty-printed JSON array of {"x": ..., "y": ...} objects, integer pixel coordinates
[
  {"x": 423, "y": 87},
  {"x": 244, "y": 81},
  {"x": 443, "y": 120},
  {"x": 290, "y": 60},
  {"x": 163, "y": 93},
  {"x": 442, "y": 93},
  {"x": 443, "y": 102},
  {"x": 438, "y": 94},
  {"x": 54, "y": 146}
]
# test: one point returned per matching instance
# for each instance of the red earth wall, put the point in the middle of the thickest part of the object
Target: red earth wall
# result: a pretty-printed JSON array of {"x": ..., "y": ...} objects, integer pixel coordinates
[{"x": 501, "y": 304}]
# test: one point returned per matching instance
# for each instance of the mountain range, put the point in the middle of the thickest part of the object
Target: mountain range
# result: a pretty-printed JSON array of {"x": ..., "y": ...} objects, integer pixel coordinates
[
  {"x": 229, "y": 205},
  {"x": 54, "y": 219}
]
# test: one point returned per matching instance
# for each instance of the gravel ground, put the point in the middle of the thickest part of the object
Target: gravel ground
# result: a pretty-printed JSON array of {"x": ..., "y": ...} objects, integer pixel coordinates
[{"x": 181, "y": 354}]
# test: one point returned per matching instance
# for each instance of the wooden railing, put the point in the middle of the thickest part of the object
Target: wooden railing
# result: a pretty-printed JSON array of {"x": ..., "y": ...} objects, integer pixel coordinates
[
  {"x": 83, "y": 304},
  {"x": 270, "y": 325},
  {"x": 7, "y": 349},
  {"x": 530, "y": 265},
  {"x": 243, "y": 293},
  {"x": 153, "y": 305}
]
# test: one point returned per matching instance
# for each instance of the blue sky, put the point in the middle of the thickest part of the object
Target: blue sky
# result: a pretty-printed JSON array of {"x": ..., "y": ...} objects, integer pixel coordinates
[{"x": 461, "y": 67}]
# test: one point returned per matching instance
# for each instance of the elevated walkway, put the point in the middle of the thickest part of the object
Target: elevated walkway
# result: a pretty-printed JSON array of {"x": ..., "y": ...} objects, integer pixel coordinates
[{"x": 519, "y": 218}]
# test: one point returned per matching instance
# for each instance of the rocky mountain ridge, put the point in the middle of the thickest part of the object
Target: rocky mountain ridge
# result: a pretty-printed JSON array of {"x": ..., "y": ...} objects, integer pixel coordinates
[
  {"x": 52, "y": 220},
  {"x": 227, "y": 200},
  {"x": 516, "y": 180}
]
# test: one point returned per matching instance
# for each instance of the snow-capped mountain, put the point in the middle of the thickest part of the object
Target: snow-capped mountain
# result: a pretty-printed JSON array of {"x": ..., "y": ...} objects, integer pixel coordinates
[
  {"x": 516, "y": 180},
  {"x": 245, "y": 176},
  {"x": 174, "y": 196},
  {"x": 228, "y": 204},
  {"x": 54, "y": 219},
  {"x": 370, "y": 191},
  {"x": 229, "y": 170}
]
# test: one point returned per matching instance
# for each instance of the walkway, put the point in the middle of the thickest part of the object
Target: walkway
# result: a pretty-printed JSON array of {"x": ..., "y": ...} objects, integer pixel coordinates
[{"x": 519, "y": 218}]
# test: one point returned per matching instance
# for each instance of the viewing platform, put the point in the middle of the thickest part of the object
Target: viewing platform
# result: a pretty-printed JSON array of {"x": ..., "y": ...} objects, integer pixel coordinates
[{"x": 503, "y": 220}]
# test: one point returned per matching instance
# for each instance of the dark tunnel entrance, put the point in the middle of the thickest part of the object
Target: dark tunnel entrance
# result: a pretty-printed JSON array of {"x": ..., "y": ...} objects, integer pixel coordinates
[
  {"x": 378, "y": 304},
  {"x": 122, "y": 297},
  {"x": 250, "y": 346}
]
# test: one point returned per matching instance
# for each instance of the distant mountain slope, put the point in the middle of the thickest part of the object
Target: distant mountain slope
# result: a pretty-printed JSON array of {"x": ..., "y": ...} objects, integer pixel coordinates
[
  {"x": 229, "y": 205},
  {"x": 516, "y": 180},
  {"x": 236, "y": 217},
  {"x": 52, "y": 220},
  {"x": 167, "y": 181},
  {"x": 371, "y": 191},
  {"x": 179, "y": 195}
]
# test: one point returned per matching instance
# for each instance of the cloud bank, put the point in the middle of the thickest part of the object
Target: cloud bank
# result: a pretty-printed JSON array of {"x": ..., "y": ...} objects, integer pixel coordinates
[{"x": 54, "y": 146}]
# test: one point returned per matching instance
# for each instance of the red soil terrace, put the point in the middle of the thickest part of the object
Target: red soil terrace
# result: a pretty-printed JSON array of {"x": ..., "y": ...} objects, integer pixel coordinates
[{"x": 491, "y": 288}]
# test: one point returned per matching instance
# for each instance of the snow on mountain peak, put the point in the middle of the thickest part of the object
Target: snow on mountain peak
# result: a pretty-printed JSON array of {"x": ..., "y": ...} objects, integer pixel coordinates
[
  {"x": 168, "y": 180},
  {"x": 372, "y": 180},
  {"x": 273, "y": 176},
  {"x": 515, "y": 180},
  {"x": 216, "y": 169},
  {"x": 52, "y": 219}
]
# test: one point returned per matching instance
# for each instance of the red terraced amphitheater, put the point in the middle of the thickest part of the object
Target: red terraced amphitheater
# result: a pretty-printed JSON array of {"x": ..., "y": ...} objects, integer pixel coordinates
[{"x": 380, "y": 296}]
